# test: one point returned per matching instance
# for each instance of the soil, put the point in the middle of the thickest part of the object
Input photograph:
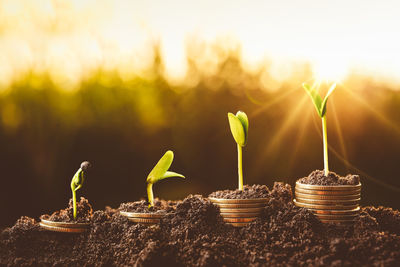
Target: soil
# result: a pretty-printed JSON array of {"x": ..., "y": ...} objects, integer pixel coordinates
[
  {"x": 318, "y": 177},
  {"x": 195, "y": 235},
  {"x": 248, "y": 192},
  {"x": 84, "y": 213},
  {"x": 142, "y": 206}
]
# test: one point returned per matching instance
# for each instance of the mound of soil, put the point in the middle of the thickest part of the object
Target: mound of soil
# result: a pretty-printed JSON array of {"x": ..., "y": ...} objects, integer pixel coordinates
[
  {"x": 318, "y": 177},
  {"x": 84, "y": 213},
  {"x": 142, "y": 206},
  {"x": 195, "y": 235},
  {"x": 248, "y": 192}
]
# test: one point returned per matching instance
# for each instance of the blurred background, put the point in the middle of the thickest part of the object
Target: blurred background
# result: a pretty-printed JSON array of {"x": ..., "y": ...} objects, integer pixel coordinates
[{"x": 120, "y": 82}]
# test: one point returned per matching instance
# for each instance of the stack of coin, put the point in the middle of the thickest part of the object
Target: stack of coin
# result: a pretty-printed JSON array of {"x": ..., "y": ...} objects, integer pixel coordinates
[
  {"x": 64, "y": 227},
  {"x": 330, "y": 203},
  {"x": 239, "y": 212},
  {"x": 143, "y": 218}
]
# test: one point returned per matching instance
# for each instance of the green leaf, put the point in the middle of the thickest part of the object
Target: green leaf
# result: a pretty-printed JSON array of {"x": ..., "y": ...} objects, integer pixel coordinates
[
  {"x": 161, "y": 167},
  {"x": 315, "y": 97},
  {"x": 77, "y": 180},
  {"x": 245, "y": 123},
  {"x": 237, "y": 129},
  {"x": 171, "y": 174},
  {"x": 323, "y": 106}
]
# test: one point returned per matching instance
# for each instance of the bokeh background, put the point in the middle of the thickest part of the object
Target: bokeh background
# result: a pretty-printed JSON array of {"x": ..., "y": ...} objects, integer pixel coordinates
[{"x": 120, "y": 82}]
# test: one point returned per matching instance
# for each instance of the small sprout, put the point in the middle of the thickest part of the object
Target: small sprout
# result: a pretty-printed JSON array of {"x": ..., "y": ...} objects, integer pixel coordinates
[
  {"x": 159, "y": 172},
  {"x": 320, "y": 106},
  {"x": 77, "y": 182},
  {"x": 239, "y": 125}
]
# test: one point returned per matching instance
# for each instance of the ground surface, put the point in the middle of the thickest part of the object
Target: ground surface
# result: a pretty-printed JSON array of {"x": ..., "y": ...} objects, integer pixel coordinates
[
  {"x": 84, "y": 213},
  {"x": 195, "y": 235}
]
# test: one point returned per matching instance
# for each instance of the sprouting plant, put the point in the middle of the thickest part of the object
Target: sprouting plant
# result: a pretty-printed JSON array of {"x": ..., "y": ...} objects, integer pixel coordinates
[
  {"x": 159, "y": 172},
  {"x": 239, "y": 125},
  {"x": 320, "y": 106},
  {"x": 77, "y": 182}
]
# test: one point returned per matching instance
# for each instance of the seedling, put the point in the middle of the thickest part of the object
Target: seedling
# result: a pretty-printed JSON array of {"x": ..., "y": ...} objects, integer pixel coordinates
[
  {"x": 239, "y": 125},
  {"x": 77, "y": 182},
  {"x": 320, "y": 106},
  {"x": 159, "y": 172}
]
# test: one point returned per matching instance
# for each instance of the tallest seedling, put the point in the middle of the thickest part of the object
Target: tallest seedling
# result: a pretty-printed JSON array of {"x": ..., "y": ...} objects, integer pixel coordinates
[
  {"x": 239, "y": 125},
  {"x": 320, "y": 106}
]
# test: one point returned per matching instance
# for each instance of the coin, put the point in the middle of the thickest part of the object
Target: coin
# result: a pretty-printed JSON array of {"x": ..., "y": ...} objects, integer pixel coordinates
[
  {"x": 244, "y": 205},
  {"x": 142, "y": 215},
  {"x": 327, "y": 192},
  {"x": 238, "y": 201},
  {"x": 326, "y": 197},
  {"x": 328, "y": 187},
  {"x": 329, "y": 202},
  {"x": 336, "y": 217},
  {"x": 239, "y": 220},
  {"x": 143, "y": 220},
  {"x": 239, "y": 224},
  {"x": 324, "y": 207},
  {"x": 64, "y": 226},
  {"x": 244, "y": 210},
  {"x": 337, "y": 212},
  {"x": 239, "y": 214}
]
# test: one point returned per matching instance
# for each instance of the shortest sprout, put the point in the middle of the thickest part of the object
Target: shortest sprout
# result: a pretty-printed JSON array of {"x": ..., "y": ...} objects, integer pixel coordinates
[
  {"x": 159, "y": 172},
  {"x": 77, "y": 182}
]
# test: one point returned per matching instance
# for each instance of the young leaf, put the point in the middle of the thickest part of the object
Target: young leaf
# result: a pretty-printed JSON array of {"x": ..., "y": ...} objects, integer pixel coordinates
[
  {"x": 161, "y": 167},
  {"x": 315, "y": 97},
  {"x": 323, "y": 106},
  {"x": 171, "y": 174},
  {"x": 237, "y": 129},
  {"x": 245, "y": 123}
]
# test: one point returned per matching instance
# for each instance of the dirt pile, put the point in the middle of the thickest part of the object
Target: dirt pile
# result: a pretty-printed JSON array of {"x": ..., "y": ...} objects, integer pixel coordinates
[
  {"x": 84, "y": 213},
  {"x": 195, "y": 235},
  {"x": 318, "y": 177}
]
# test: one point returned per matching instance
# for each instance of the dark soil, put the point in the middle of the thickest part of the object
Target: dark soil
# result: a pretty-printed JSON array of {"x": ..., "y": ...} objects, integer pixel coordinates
[
  {"x": 318, "y": 178},
  {"x": 84, "y": 213},
  {"x": 142, "y": 206},
  {"x": 248, "y": 192},
  {"x": 195, "y": 235}
]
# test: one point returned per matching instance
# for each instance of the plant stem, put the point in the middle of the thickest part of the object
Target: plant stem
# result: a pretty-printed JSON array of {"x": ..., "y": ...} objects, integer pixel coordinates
[
  {"x": 150, "y": 196},
  {"x": 325, "y": 141},
  {"x": 240, "y": 167},
  {"x": 74, "y": 202}
]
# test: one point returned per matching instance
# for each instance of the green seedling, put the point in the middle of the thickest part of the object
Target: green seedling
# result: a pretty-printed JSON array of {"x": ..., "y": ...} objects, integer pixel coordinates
[
  {"x": 320, "y": 106},
  {"x": 239, "y": 125},
  {"x": 77, "y": 182},
  {"x": 159, "y": 172}
]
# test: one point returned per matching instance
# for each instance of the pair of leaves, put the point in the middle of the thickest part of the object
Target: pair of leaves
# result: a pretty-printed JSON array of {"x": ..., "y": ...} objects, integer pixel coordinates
[
  {"x": 160, "y": 171},
  {"x": 320, "y": 105},
  {"x": 239, "y": 125}
]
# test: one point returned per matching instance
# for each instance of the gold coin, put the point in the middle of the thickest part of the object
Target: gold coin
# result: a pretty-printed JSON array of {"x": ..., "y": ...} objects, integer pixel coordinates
[
  {"x": 325, "y": 207},
  {"x": 338, "y": 221},
  {"x": 142, "y": 215},
  {"x": 238, "y": 201},
  {"x": 327, "y": 192},
  {"x": 64, "y": 227},
  {"x": 239, "y": 214},
  {"x": 325, "y": 197},
  {"x": 328, "y": 187},
  {"x": 238, "y": 224},
  {"x": 329, "y": 202},
  {"x": 245, "y": 205},
  {"x": 336, "y": 217},
  {"x": 244, "y": 210},
  {"x": 143, "y": 220},
  {"x": 239, "y": 220},
  {"x": 337, "y": 212}
]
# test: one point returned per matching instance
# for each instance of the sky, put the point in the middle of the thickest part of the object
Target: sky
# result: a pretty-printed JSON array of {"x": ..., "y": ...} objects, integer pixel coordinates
[{"x": 72, "y": 38}]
